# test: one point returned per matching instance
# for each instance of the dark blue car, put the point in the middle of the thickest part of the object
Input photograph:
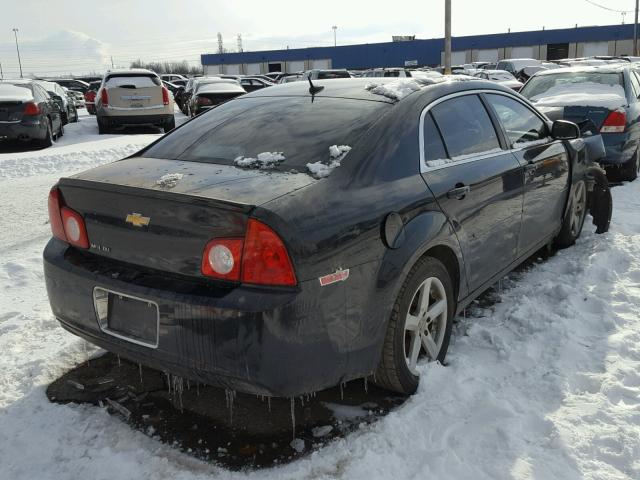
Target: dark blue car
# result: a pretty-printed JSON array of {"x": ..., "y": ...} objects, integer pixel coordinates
[{"x": 602, "y": 100}]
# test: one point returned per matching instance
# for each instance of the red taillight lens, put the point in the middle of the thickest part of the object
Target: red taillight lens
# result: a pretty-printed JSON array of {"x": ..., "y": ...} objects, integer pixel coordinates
[
  {"x": 104, "y": 97},
  {"x": 90, "y": 96},
  {"x": 222, "y": 258},
  {"x": 66, "y": 224},
  {"x": 55, "y": 216},
  {"x": 165, "y": 96},
  {"x": 260, "y": 258},
  {"x": 616, "y": 122},
  {"x": 204, "y": 101},
  {"x": 265, "y": 260},
  {"x": 31, "y": 108}
]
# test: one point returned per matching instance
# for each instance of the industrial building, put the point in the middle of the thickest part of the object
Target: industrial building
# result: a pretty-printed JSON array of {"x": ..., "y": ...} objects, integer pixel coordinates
[{"x": 540, "y": 44}]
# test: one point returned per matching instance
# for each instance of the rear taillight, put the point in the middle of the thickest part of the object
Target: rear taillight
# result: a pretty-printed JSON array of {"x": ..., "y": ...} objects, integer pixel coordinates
[
  {"x": 204, "y": 101},
  {"x": 104, "y": 97},
  {"x": 616, "y": 122},
  {"x": 261, "y": 258},
  {"x": 31, "y": 108},
  {"x": 90, "y": 96},
  {"x": 165, "y": 96},
  {"x": 66, "y": 224},
  {"x": 222, "y": 258},
  {"x": 265, "y": 260}
]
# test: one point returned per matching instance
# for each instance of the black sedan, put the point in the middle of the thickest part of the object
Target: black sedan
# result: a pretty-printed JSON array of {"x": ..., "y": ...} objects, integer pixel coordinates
[
  {"x": 28, "y": 113},
  {"x": 296, "y": 237}
]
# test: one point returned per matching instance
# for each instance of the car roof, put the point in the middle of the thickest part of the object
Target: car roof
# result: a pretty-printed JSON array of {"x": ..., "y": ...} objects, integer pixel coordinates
[
  {"x": 133, "y": 71},
  {"x": 609, "y": 68},
  {"x": 354, "y": 88}
]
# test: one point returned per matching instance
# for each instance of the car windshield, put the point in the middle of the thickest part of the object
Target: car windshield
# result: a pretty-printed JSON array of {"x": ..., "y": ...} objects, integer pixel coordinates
[
  {"x": 132, "y": 81},
  {"x": 324, "y": 75},
  {"x": 300, "y": 128},
  {"x": 563, "y": 82}
]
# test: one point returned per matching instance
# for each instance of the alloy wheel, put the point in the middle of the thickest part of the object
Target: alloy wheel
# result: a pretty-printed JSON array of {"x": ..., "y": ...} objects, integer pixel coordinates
[
  {"x": 578, "y": 208},
  {"x": 425, "y": 323}
]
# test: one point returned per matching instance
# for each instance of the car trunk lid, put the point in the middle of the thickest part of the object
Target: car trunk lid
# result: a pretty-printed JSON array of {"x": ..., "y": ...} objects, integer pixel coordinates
[{"x": 160, "y": 214}]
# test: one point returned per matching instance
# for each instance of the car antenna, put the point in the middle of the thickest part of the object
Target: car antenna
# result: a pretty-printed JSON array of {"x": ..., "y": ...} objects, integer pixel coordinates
[{"x": 313, "y": 89}]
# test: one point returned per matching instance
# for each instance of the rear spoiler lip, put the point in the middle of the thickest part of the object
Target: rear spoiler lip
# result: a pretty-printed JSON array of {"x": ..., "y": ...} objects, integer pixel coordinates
[{"x": 159, "y": 194}]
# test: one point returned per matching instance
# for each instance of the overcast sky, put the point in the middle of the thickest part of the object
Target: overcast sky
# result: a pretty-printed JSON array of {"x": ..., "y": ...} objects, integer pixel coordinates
[{"x": 70, "y": 36}]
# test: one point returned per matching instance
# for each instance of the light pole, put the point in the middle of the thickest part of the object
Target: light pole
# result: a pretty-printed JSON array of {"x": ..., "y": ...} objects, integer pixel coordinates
[
  {"x": 15, "y": 32},
  {"x": 447, "y": 37},
  {"x": 335, "y": 43},
  {"x": 635, "y": 32}
]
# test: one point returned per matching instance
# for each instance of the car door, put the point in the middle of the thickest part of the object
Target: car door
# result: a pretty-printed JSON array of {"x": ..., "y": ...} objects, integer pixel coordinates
[
  {"x": 477, "y": 183},
  {"x": 546, "y": 168}
]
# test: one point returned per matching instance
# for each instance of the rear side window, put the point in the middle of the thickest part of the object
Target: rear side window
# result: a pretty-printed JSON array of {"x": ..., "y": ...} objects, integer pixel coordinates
[
  {"x": 520, "y": 123},
  {"x": 465, "y": 126},
  {"x": 301, "y": 129},
  {"x": 133, "y": 81},
  {"x": 434, "y": 150}
]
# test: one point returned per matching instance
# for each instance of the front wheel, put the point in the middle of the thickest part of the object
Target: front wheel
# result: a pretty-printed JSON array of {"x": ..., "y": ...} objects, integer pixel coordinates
[
  {"x": 420, "y": 326},
  {"x": 574, "y": 219}
]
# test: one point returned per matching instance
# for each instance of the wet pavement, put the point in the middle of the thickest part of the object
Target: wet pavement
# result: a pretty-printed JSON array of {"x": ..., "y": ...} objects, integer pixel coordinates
[{"x": 234, "y": 430}]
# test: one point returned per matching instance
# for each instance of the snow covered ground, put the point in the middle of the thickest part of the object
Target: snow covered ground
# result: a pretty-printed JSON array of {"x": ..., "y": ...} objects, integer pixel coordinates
[{"x": 544, "y": 384}]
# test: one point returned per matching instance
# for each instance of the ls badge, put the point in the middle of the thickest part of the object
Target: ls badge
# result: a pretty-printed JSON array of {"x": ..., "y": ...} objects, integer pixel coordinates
[
  {"x": 137, "y": 220},
  {"x": 339, "y": 276}
]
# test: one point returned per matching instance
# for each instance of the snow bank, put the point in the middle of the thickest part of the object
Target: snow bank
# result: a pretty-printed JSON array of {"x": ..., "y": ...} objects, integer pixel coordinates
[
  {"x": 264, "y": 160},
  {"x": 396, "y": 90},
  {"x": 61, "y": 159},
  {"x": 336, "y": 155},
  {"x": 587, "y": 94}
]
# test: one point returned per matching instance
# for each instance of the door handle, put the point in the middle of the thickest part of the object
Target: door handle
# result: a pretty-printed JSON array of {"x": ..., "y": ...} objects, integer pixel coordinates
[{"x": 459, "y": 192}]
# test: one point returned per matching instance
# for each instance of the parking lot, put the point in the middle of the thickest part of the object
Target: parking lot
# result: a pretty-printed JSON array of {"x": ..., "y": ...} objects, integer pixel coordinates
[{"x": 541, "y": 379}]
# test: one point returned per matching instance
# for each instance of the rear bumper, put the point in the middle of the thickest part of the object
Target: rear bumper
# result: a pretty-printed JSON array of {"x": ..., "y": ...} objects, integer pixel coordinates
[
  {"x": 22, "y": 131},
  {"x": 133, "y": 120},
  {"x": 619, "y": 147},
  {"x": 263, "y": 341}
]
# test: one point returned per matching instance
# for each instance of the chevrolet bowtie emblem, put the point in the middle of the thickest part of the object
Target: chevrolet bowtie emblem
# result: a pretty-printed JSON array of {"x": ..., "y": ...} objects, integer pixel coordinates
[{"x": 137, "y": 220}]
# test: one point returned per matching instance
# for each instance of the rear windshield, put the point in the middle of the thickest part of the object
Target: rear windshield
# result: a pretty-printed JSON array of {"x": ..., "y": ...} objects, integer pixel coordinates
[
  {"x": 201, "y": 83},
  {"x": 301, "y": 129},
  {"x": 132, "y": 81},
  {"x": 328, "y": 74},
  {"x": 557, "y": 83}
]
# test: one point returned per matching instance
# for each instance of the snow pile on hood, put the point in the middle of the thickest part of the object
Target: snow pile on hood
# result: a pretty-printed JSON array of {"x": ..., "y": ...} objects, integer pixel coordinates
[
  {"x": 394, "y": 90},
  {"x": 336, "y": 154},
  {"x": 169, "y": 180},
  {"x": 587, "y": 94},
  {"x": 264, "y": 160}
]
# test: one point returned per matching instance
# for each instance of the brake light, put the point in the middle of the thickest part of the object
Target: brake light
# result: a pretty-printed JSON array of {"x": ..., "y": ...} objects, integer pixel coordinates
[
  {"x": 90, "y": 96},
  {"x": 222, "y": 258},
  {"x": 165, "y": 96},
  {"x": 55, "y": 216},
  {"x": 260, "y": 258},
  {"x": 104, "y": 97},
  {"x": 616, "y": 122},
  {"x": 204, "y": 101},
  {"x": 66, "y": 224},
  {"x": 265, "y": 260},
  {"x": 31, "y": 108}
]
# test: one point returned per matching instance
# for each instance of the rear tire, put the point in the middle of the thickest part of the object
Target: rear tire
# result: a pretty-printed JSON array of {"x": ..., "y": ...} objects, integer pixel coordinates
[
  {"x": 418, "y": 324},
  {"x": 574, "y": 219},
  {"x": 102, "y": 128},
  {"x": 170, "y": 125},
  {"x": 631, "y": 168},
  {"x": 48, "y": 139}
]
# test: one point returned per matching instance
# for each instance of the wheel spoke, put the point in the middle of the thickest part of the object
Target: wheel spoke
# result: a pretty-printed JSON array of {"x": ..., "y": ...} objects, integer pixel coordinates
[
  {"x": 414, "y": 351},
  {"x": 437, "y": 309},
  {"x": 424, "y": 297},
  {"x": 429, "y": 345},
  {"x": 411, "y": 323}
]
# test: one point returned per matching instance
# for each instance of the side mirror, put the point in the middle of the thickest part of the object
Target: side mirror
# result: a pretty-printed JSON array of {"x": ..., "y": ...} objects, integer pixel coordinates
[{"x": 565, "y": 130}]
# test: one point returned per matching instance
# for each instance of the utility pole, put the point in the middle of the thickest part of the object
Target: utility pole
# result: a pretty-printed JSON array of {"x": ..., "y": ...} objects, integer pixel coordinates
[
  {"x": 335, "y": 42},
  {"x": 1, "y": 74},
  {"x": 112, "y": 66},
  {"x": 15, "y": 32},
  {"x": 447, "y": 37},
  {"x": 635, "y": 32}
]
